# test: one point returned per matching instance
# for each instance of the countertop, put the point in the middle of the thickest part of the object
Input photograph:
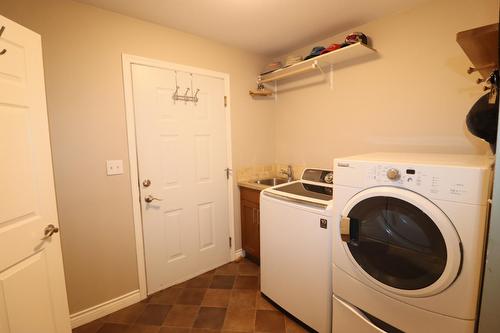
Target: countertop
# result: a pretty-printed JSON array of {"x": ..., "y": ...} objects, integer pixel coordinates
[{"x": 251, "y": 184}]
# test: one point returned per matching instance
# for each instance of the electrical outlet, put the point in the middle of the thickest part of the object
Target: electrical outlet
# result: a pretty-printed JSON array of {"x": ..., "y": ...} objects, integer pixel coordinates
[{"x": 114, "y": 167}]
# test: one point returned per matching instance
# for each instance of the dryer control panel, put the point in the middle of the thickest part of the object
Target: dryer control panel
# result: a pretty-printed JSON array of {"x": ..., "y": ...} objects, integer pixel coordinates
[
  {"x": 469, "y": 185},
  {"x": 412, "y": 177}
]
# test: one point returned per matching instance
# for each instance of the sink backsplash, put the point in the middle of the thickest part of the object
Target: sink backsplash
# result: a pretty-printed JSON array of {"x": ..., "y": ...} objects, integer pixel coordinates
[{"x": 266, "y": 171}]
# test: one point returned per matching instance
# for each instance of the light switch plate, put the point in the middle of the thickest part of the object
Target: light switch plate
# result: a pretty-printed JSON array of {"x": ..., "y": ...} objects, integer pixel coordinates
[{"x": 114, "y": 167}]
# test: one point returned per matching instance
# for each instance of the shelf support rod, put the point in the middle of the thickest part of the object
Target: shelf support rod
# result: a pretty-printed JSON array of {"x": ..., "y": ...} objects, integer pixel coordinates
[{"x": 316, "y": 65}]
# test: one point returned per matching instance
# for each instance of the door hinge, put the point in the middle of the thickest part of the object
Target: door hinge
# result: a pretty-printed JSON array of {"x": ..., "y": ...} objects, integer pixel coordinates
[
  {"x": 230, "y": 242},
  {"x": 228, "y": 172},
  {"x": 225, "y": 101}
]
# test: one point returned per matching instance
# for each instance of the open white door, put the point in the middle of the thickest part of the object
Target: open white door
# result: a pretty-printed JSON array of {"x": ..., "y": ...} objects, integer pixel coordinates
[
  {"x": 32, "y": 287},
  {"x": 182, "y": 157}
]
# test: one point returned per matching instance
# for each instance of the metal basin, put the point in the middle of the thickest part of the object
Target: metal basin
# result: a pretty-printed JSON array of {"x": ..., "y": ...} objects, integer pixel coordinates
[{"x": 271, "y": 181}]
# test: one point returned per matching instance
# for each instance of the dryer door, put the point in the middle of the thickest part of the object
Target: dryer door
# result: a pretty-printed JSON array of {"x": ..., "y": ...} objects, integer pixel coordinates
[{"x": 401, "y": 241}]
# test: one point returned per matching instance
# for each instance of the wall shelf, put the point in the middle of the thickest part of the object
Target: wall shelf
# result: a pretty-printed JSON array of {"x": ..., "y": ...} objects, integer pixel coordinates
[
  {"x": 481, "y": 47},
  {"x": 329, "y": 59}
]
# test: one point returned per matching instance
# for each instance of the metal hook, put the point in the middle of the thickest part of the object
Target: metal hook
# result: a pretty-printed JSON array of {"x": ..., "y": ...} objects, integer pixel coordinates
[
  {"x": 195, "y": 98},
  {"x": 492, "y": 97},
  {"x": 2, "y": 29},
  {"x": 493, "y": 79},
  {"x": 174, "y": 96},
  {"x": 186, "y": 93}
]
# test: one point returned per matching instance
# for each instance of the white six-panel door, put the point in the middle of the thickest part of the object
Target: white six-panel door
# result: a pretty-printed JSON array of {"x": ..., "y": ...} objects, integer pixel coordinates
[
  {"x": 182, "y": 152},
  {"x": 32, "y": 287}
]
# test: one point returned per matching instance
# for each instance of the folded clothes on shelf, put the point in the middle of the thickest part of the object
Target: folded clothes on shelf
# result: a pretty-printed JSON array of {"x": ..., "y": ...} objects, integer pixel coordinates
[{"x": 292, "y": 60}]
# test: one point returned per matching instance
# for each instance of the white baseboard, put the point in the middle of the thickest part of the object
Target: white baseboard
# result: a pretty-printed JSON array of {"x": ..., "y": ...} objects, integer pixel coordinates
[
  {"x": 86, "y": 316},
  {"x": 239, "y": 254},
  {"x": 98, "y": 311}
]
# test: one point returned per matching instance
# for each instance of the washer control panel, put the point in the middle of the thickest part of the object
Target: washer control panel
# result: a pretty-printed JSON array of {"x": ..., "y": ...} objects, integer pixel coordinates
[{"x": 318, "y": 176}]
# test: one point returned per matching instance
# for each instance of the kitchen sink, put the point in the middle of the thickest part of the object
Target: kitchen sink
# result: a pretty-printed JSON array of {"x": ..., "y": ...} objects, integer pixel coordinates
[{"x": 271, "y": 181}]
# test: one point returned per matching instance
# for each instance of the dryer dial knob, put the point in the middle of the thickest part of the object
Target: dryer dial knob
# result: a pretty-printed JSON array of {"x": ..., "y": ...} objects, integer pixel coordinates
[{"x": 393, "y": 174}]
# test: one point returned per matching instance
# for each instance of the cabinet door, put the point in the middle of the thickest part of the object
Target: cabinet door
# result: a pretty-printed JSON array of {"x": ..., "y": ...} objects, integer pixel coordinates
[
  {"x": 250, "y": 228},
  {"x": 257, "y": 232}
]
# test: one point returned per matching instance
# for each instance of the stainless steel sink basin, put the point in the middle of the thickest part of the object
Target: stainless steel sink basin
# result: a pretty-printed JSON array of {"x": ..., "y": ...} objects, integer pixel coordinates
[{"x": 271, "y": 181}]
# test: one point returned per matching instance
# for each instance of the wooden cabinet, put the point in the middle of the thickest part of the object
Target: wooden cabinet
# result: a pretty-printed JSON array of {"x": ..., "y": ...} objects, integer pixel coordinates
[{"x": 250, "y": 223}]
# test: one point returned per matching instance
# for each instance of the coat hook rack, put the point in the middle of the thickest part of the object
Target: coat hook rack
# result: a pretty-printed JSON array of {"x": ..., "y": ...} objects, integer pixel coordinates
[
  {"x": 185, "y": 97},
  {"x": 193, "y": 98},
  {"x": 472, "y": 69},
  {"x": 260, "y": 91}
]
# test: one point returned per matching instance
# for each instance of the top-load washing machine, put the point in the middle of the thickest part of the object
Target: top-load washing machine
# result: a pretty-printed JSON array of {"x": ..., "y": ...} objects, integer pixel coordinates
[
  {"x": 296, "y": 247},
  {"x": 408, "y": 241}
]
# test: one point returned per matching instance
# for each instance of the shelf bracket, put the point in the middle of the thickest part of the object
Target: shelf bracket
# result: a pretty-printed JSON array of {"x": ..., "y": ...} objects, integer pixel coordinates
[{"x": 316, "y": 65}]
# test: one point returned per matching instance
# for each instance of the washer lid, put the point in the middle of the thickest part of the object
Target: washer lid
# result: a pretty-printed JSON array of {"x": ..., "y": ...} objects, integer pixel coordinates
[{"x": 314, "y": 188}]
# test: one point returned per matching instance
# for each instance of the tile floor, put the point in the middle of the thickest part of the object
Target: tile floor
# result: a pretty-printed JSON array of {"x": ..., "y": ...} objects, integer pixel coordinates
[{"x": 226, "y": 299}]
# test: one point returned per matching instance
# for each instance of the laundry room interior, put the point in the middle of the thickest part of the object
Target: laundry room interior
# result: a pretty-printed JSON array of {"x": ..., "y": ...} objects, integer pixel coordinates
[{"x": 236, "y": 166}]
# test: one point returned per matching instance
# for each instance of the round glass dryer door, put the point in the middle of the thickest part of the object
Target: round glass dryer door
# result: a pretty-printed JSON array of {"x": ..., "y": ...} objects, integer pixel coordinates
[{"x": 401, "y": 241}]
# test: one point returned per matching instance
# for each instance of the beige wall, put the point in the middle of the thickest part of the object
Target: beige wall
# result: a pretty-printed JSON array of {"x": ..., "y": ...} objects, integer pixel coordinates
[
  {"x": 82, "y": 48},
  {"x": 412, "y": 96}
]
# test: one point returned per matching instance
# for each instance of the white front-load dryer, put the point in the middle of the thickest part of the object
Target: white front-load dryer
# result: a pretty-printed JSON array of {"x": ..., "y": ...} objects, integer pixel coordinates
[{"x": 408, "y": 242}]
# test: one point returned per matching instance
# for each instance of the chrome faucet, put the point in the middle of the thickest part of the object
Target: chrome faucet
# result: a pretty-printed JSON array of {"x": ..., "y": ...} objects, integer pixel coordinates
[{"x": 288, "y": 172}]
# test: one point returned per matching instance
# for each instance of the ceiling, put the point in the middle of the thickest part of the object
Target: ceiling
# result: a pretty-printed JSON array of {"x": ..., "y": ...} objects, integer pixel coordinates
[{"x": 267, "y": 27}]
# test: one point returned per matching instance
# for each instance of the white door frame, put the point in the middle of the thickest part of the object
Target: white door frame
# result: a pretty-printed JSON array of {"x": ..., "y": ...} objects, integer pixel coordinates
[{"x": 127, "y": 62}]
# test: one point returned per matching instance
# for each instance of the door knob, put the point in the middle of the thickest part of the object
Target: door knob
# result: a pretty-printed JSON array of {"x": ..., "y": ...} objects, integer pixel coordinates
[
  {"x": 146, "y": 183},
  {"x": 150, "y": 198},
  {"x": 49, "y": 231}
]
